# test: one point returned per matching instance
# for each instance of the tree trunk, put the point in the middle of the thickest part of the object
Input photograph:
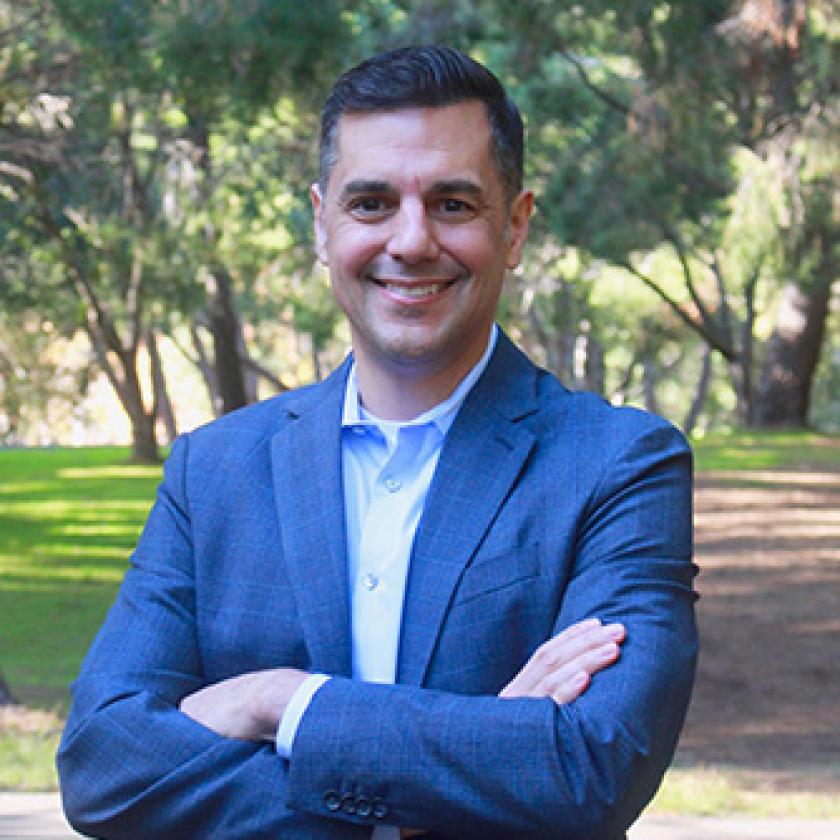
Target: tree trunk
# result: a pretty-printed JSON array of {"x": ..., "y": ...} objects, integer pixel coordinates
[
  {"x": 144, "y": 448},
  {"x": 222, "y": 317},
  {"x": 793, "y": 353},
  {"x": 163, "y": 404},
  {"x": 595, "y": 372},
  {"x": 126, "y": 385},
  {"x": 650, "y": 375},
  {"x": 701, "y": 393},
  {"x": 6, "y": 696},
  {"x": 225, "y": 328},
  {"x": 205, "y": 368}
]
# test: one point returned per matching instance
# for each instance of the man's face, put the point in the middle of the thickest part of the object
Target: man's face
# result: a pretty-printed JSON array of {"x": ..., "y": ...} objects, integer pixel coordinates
[{"x": 417, "y": 235}]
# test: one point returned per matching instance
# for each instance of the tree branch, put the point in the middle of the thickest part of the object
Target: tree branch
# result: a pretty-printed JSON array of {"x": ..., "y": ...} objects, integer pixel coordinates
[
  {"x": 712, "y": 337},
  {"x": 609, "y": 99}
]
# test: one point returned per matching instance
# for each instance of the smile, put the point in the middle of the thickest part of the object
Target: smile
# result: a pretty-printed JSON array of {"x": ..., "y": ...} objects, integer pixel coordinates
[{"x": 414, "y": 291}]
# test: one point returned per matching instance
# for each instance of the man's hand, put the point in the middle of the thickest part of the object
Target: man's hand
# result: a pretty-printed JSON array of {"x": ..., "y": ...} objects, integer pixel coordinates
[
  {"x": 562, "y": 667},
  {"x": 248, "y": 706}
]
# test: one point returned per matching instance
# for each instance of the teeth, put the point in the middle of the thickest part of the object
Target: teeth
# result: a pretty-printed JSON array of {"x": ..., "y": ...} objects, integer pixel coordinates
[{"x": 415, "y": 291}]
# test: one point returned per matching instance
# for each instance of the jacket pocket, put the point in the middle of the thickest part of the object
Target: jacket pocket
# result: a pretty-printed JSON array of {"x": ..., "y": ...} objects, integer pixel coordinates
[{"x": 498, "y": 572}]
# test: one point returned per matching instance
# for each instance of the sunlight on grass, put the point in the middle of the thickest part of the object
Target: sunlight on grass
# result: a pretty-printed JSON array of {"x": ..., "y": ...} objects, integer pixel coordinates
[
  {"x": 35, "y": 573},
  {"x": 765, "y": 450},
  {"x": 28, "y": 741},
  {"x": 120, "y": 471},
  {"x": 27, "y": 762},
  {"x": 712, "y": 792},
  {"x": 98, "y": 529},
  {"x": 61, "y": 509},
  {"x": 25, "y": 487},
  {"x": 69, "y": 520}
]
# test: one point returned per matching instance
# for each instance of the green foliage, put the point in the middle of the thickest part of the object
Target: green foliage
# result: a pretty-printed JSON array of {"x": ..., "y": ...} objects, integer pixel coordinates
[
  {"x": 69, "y": 519},
  {"x": 683, "y": 141}
]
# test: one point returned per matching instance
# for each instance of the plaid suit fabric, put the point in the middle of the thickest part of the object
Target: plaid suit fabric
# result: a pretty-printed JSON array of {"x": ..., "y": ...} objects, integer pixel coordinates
[{"x": 546, "y": 507}]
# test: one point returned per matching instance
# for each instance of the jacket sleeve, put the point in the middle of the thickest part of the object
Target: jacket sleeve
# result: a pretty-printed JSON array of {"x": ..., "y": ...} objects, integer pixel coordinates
[
  {"x": 483, "y": 767},
  {"x": 130, "y": 763}
]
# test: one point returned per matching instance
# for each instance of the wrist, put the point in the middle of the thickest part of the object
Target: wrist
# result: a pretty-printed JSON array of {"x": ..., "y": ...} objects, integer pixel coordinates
[{"x": 271, "y": 695}]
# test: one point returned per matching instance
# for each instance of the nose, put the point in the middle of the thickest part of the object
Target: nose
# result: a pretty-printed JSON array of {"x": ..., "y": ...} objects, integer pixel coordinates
[{"x": 412, "y": 238}]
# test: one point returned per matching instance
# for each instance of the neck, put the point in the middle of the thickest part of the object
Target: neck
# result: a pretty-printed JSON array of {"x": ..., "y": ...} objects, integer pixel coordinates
[{"x": 403, "y": 391}]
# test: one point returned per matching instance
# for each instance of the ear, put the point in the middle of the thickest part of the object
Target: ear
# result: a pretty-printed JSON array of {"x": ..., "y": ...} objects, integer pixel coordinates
[
  {"x": 320, "y": 225},
  {"x": 520, "y": 214}
]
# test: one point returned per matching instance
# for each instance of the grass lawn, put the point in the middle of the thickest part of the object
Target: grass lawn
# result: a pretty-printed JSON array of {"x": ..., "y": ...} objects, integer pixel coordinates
[
  {"x": 69, "y": 519},
  {"x": 745, "y": 451}
]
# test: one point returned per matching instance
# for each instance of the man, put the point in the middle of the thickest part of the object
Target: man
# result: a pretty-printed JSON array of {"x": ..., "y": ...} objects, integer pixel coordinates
[{"x": 395, "y": 600}]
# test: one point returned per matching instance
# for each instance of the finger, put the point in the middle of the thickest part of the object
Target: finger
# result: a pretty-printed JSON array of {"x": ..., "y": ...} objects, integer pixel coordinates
[
  {"x": 577, "y": 628},
  {"x": 570, "y": 689},
  {"x": 564, "y": 649},
  {"x": 551, "y": 655},
  {"x": 559, "y": 651},
  {"x": 570, "y": 681}
]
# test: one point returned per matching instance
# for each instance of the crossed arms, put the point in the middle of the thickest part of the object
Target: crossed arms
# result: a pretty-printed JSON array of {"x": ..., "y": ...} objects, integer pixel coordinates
[
  {"x": 150, "y": 749},
  {"x": 250, "y": 706}
]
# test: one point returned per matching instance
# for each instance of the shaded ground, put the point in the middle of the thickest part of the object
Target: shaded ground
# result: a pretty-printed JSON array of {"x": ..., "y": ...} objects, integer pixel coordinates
[{"x": 767, "y": 699}]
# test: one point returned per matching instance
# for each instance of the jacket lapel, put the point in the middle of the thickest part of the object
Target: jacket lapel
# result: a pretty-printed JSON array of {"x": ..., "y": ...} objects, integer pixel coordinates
[
  {"x": 482, "y": 457},
  {"x": 306, "y": 464}
]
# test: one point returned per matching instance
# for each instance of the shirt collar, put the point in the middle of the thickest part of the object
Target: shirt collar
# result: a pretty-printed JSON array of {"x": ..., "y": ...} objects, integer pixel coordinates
[{"x": 441, "y": 416}]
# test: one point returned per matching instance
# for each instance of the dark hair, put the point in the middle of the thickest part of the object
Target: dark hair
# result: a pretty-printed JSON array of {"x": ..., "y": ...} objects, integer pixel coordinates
[{"x": 427, "y": 76}]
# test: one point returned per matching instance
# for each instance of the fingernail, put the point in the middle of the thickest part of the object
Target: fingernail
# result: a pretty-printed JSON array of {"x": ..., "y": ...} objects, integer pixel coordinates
[{"x": 615, "y": 631}]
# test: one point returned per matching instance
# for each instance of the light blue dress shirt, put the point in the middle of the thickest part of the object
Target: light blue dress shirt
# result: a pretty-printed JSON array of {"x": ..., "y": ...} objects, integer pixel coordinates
[{"x": 387, "y": 469}]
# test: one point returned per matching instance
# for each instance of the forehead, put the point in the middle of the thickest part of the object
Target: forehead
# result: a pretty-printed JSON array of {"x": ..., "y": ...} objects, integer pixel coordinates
[{"x": 452, "y": 141}]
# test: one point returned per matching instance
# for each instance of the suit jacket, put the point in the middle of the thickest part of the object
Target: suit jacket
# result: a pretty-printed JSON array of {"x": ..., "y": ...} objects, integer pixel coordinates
[{"x": 547, "y": 507}]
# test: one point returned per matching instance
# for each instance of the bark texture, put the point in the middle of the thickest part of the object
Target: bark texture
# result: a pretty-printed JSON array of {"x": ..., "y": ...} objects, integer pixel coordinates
[{"x": 793, "y": 354}]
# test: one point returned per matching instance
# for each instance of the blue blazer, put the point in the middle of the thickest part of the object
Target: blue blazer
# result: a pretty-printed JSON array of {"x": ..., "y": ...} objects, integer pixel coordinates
[{"x": 547, "y": 507}]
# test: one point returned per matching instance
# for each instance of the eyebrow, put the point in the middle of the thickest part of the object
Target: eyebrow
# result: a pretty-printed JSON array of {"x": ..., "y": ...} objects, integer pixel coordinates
[
  {"x": 362, "y": 186},
  {"x": 456, "y": 185}
]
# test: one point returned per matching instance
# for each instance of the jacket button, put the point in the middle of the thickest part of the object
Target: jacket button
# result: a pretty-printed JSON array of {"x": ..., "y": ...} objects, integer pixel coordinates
[
  {"x": 332, "y": 801},
  {"x": 348, "y": 803},
  {"x": 364, "y": 807},
  {"x": 380, "y": 809}
]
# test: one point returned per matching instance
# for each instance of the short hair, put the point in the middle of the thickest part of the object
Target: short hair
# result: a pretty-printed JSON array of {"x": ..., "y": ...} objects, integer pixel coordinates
[{"x": 431, "y": 77}]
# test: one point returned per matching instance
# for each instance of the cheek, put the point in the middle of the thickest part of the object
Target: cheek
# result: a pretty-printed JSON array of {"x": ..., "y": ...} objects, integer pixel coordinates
[
  {"x": 352, "y": 249},
  {"x": 478, "y": 250}
]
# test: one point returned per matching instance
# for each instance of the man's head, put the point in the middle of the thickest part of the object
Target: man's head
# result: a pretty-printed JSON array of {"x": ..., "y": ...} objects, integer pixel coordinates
[
  {"x": 425, "y": 77},
  {"x": 421, "y": 216}
]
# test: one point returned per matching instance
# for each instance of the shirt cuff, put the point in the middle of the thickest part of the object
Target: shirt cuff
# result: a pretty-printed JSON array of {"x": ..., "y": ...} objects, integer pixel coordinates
[{"x": 294, "y": 712}]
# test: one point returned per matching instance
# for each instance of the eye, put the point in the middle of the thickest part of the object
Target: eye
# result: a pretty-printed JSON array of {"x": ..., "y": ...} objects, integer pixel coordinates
[
  {"x": 367, "y": 206},
  {"x": 454, "y": 209},
  {"x": 454, "y": 205}
]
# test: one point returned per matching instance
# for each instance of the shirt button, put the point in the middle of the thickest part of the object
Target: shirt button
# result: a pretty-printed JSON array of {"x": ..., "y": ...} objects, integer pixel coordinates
[
  {"x": 371, "y": 582},
  {"x": 358, "y": 430},
  {"x": 392, "y": 484}
]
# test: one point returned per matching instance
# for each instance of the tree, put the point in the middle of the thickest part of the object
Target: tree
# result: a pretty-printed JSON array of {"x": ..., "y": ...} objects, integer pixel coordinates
[
  {"x": 638, "y": 115},
  {"x": 125, "y": 221}
]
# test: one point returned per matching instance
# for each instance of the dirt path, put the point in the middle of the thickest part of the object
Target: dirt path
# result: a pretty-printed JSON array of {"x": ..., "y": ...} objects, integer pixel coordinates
[{"x": 767, "y": 699}]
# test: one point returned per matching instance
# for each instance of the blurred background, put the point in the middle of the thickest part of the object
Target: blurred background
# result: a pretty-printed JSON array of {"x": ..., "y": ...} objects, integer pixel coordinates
[
  {"x": 156, "y": 266},
  {"x": 157, "y": 270}
]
